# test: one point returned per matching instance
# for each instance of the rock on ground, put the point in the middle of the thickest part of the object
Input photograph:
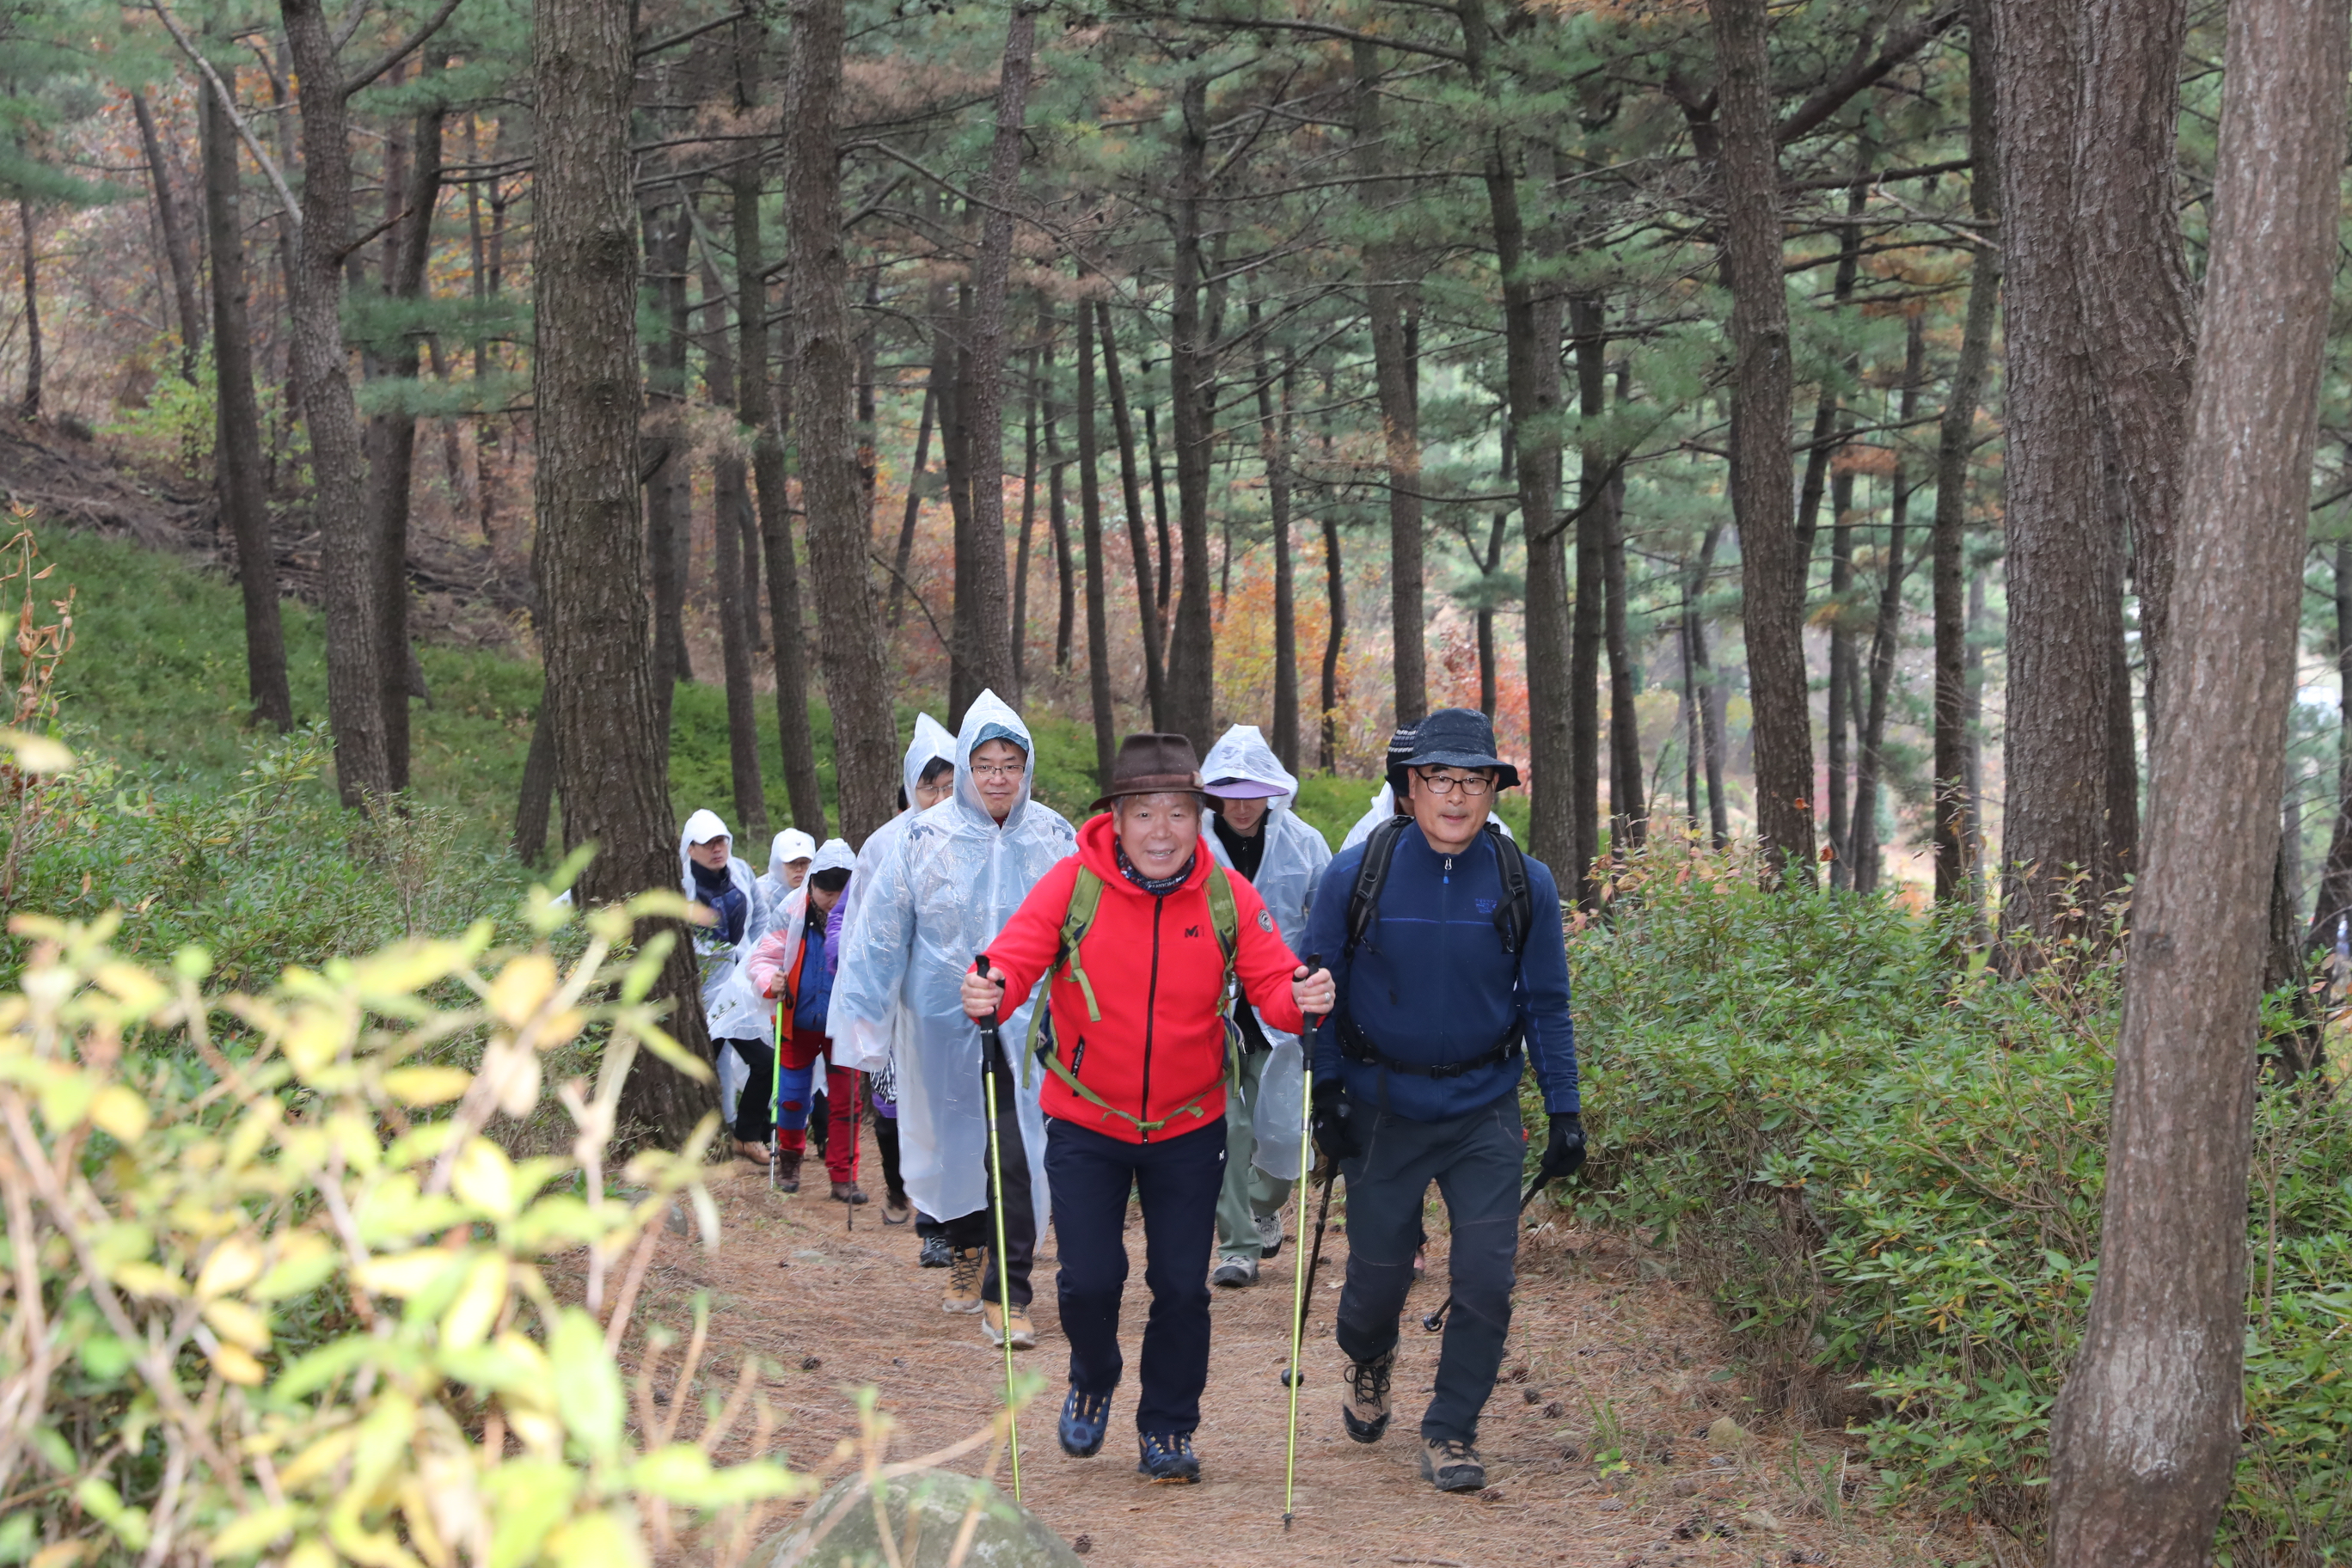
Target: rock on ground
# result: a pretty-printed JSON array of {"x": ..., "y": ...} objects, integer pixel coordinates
[{"x": 926, "y": 1512}]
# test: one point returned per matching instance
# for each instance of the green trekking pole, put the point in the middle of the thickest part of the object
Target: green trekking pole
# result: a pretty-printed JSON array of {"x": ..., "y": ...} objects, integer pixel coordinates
[
  {"x": 991, "y": 1051},
  {"x": 1299, "y": 1277},
  {"x": 776, "y": 1103}
]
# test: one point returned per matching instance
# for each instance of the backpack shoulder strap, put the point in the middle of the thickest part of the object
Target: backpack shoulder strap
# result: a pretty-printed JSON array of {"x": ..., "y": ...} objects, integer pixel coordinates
[
  {"x": 1086, "y": 898},
  {"x": 1224, "y": 916},
  {"x": 1515, "y": 914},
  {"x": 1364, "y": 897}
]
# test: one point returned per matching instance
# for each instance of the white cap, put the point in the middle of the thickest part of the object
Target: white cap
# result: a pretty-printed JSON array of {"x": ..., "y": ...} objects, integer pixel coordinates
[
  {"x": 792, "y": 845},
  {"x": 835, "y": 855}
]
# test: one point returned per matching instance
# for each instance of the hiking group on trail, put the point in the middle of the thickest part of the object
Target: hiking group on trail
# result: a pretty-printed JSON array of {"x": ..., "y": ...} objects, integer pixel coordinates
[{"x": 1165, "y": 1061}]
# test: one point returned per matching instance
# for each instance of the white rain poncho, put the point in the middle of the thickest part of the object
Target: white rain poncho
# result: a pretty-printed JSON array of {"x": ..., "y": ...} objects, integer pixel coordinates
[
  {"x": 792, "y": 917},
  {"x": 858, "y": 1044},
  {"x": 728, "y": 1008},
  {"x": 1288, "y": 874},
  {"x": 942, "y": 892},
  {"x": 1383, "y": 807}
]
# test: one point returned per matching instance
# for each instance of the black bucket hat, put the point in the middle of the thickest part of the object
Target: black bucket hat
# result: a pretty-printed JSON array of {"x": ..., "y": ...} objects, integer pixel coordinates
[
  {"x": 1400, "y": 748},
  {"x": 1460, "y": 738}
]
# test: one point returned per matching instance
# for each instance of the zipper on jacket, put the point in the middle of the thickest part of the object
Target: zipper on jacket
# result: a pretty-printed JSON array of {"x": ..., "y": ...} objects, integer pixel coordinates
[{"x": 1150, "y": 1016}]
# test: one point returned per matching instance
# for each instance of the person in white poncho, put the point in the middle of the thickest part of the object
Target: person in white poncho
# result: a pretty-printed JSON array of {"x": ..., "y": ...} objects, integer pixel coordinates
[
  {"x": 929, "y": 778},
  {"x": 941, "y": 893},
  {"x": 791, "y": 970},
  {"x": 1257, "y": 834},
  {"x": 713, "y": 876}
]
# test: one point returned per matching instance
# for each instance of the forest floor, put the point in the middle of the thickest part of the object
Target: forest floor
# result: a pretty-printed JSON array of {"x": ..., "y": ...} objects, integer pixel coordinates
[{"x": 1607, "y": 1351}]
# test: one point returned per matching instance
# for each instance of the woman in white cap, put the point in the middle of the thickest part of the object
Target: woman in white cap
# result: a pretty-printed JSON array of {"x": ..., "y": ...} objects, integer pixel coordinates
[
  {"x": 788, "y": 856},
  {"x": 1255, "y": 833},
  {"x": 791, "y": 968}
]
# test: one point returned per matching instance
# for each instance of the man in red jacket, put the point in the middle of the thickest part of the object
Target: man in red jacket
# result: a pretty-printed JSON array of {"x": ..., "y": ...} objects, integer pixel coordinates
[{"x": 1140, "y": 933}]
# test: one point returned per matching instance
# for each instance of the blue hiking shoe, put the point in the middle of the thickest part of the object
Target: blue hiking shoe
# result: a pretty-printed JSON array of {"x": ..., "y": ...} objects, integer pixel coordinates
[
  {"x": 1168, "y": 1460},
  {"x": 1085, "y": 1418}
]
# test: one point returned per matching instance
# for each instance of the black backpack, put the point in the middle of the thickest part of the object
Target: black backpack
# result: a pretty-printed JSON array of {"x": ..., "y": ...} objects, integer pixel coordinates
[{"x": 1512, "y": 916}]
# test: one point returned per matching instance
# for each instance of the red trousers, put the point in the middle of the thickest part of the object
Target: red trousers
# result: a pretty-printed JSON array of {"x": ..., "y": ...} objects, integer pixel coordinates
[{"x": 842, "y": 1086}]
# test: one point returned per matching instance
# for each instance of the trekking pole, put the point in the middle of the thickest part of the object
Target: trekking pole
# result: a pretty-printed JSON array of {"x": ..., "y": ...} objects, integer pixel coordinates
[
  {"x": 1432, "y": 1322},
  {"x": 991, "y": 1051},
  {"x": 775, "y": 1104},
  {"x": 1302, "y": 1281}
]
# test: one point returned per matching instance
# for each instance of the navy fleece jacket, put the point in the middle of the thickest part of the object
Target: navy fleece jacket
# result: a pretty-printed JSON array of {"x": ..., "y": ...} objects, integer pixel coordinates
[{"x": 1430, "y": 982}]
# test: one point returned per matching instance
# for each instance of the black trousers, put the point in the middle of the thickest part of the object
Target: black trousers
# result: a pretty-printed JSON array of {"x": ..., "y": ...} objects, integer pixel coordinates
[
  {"x": 1475, "y": 1160},
  {"x": 886, "y": 1139},
  {"x": 1178, "y": 1179},
  {"x": 978, "y": 1229}
]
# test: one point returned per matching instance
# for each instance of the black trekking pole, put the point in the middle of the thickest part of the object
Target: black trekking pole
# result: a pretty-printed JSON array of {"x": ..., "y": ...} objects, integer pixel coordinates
[
  {"x": 1432, "y": 1322},
  {"x": 991, "y": 1051},
  {"x": 1304, "y": 1296}
]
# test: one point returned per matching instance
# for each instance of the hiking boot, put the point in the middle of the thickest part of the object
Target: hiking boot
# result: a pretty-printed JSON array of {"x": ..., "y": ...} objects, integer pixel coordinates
[
  {"x": 1234, "y": 1270},
  {"x": 894, "y": 1210},
  {"x": 963, "y": 1281},
  {"x": 993, "y": 1322},
  {"x": 1086, "y": 1418},
  {"x": 788, "y": 1170},
  {"x": 1449, "y": 1465},
  {"x": 1364, "y": 1409},
  {"x": 1169, "y": 1460},
  {"x": 936, "y": 1253},
  {"x": 1269, "y": 1236},
  {"x": 848, "y": 1192}
]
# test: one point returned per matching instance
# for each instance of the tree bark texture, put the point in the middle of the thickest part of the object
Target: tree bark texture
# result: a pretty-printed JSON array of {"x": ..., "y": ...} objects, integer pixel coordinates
[
  {"x": 589, "y": 557},
  {"x": 1019, "y": 632},
  {"x": 756, "y": 409},
  {"x": 2139, "y": 319},
  {"x": 1711, "y": 695},
  {"x": 391, "y": 435},
  {"x": 1138, "y": 539},
  {"x": 2062, "y": 613},
  {"x": 1871, "y": 768},
  {"x": 992, "y": 652},
  {"x": 669, "y": 494},
  {"x": 1957, "y": 843},
  {"x": 179, "y": 236},
  {"x": 1594, "y": 496},
  {"x": 1628, "y": 812},
  {"x": 1192, "y": 649},
  {"x": 1091, "y": 529},
  {"x": 849, "y": 634},
  {"x": 349, "y": 556},
  {"x": 1762, "y": 485},
  {"x": 2144, "y": 1438},
  {"x": 2334, "y": 902},
  {"x": 1058, "y": 511},
  {"x": 1275, "y": 433},
  {"x": 903, "y": 558},
  {"x": 29, "y": 407},
  {"x": 1384, "y": 299},
  {"x": 730, "y": 505},
  {"x": 535, "y": 804},
  {"x": 236, "y": 426}
]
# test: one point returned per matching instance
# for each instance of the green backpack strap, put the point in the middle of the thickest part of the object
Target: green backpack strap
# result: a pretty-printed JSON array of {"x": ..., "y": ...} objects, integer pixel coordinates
[{"x": 1086, "y": 898}]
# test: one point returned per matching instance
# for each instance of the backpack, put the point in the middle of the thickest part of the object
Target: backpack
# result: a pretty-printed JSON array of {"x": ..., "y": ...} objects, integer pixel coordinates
[
  {"x": 1085, "y": 899},
  {"x": 1514, "y": 914}
]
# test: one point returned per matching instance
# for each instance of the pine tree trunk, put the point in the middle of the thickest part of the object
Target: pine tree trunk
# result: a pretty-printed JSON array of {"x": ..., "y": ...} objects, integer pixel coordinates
[
  {"x": 1028, "y": 532},
  {"x": 993, "y": 663},
  {"x": 1155, "y": 680},
  {"x": 731, "y": 504},
  {"x": 955, "y": 433},
  {"x": 1191, "y": 369},
  {"x": 1384, "y": 299},
  {"x": 1840, "y": 705},
  {"x": 1335, "y": 636},
  {"x": 1105, "y": 723},
  {"x": 179, "y": 240},
  {"x": 391, "y": 435},
  {"x": 849, "y": 634},
  {"x": 669, "y": 494},
  {"x": 236, "y": 425},
  {"x": 757, "y": 410},
  {"x": 1628, "y": 812},
  {"x": 2061, "y": 611},
  {"x": 350, "y": 563},
  {"x": 2144, "y": 1437},
  {"x": 1711, "y": 696},
  {"x": 589, "y": 557},
  {"x": 1594, "y": 495},
  {"x": 1952, "y": 804},
  {"x": 1884, "y": 640},
  {"x": 1762, "y": 486},
  {"x": 2333, "y": 902},
  {"x": 536, "y": 804},
  {"x": 1160, "y": 579},
  {"x": 1273, "y": 446},
  {"x": 29, "y": 407},
  {"x": 1057, "y": 503},
  {"x": 903, "y": 559}
]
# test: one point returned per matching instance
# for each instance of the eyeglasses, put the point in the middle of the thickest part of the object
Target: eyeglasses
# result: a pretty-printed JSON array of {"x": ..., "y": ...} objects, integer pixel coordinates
[
  {"x": 1472, "y": 786},
  {"x": 998, "y": 769}
]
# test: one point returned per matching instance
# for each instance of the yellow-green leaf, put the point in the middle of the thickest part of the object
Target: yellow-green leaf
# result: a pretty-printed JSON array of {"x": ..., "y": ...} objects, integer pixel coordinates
[
  {"x": 244, "y": 1536},
  {"x": 121, "y": 1114},
  {"x": 587, "y": 1384},
  {"x": 599, "y": 1540},
  {"x": 427, "y": 1085}
]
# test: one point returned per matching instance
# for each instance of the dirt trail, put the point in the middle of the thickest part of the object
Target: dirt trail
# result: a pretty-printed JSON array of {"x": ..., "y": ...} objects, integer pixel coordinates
[{"x": 1601, "y": 1348}]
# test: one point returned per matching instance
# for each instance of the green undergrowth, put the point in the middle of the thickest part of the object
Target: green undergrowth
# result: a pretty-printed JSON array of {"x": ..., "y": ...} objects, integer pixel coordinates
[{"x": 1891, "y": 1176}]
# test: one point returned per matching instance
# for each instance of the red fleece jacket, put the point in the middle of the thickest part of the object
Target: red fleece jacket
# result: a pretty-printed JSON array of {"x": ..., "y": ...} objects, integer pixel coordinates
[{"x": 1159, "y": 1046}]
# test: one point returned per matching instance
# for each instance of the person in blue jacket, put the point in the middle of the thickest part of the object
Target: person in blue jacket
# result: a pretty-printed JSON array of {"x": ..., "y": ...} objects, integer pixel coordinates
[{"x": 1452, "y": 973}]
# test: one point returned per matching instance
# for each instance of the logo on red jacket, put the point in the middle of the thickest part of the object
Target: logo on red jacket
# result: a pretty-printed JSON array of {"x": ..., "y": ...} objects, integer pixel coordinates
[{"x": 1265, "y": 921}]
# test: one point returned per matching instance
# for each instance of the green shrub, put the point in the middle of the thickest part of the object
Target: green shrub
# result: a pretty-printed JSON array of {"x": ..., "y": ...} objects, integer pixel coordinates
[
  {"x": 275, "y": 1290},
  {"x": 1890, "y": 1174}
]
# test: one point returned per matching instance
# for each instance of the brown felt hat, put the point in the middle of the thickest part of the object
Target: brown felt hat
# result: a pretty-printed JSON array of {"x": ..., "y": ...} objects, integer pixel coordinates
[{"x": 1152, "y": 764}]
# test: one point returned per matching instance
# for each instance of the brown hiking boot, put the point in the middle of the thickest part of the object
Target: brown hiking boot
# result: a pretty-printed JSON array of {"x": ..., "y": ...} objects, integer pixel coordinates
[
  {"x": 788, "y": 1170},
  {"x": 1364, "y": 1409},
  {"x": 963, "y": 1281},
  {"x": 1451, "y": 1465},
  {"x": 848, "y": 1192},
  {"x": 992, "y": 1322}
]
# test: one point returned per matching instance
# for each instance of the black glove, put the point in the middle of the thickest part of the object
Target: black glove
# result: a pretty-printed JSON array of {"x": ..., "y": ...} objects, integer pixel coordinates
[
  {"x": 1564, "y": 1153},
  {"x": 1333, "y": 1134}
]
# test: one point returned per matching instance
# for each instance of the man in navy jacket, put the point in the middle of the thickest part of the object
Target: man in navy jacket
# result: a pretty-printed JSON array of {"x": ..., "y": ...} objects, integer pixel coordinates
[{"x": 1454, "y": 989}]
